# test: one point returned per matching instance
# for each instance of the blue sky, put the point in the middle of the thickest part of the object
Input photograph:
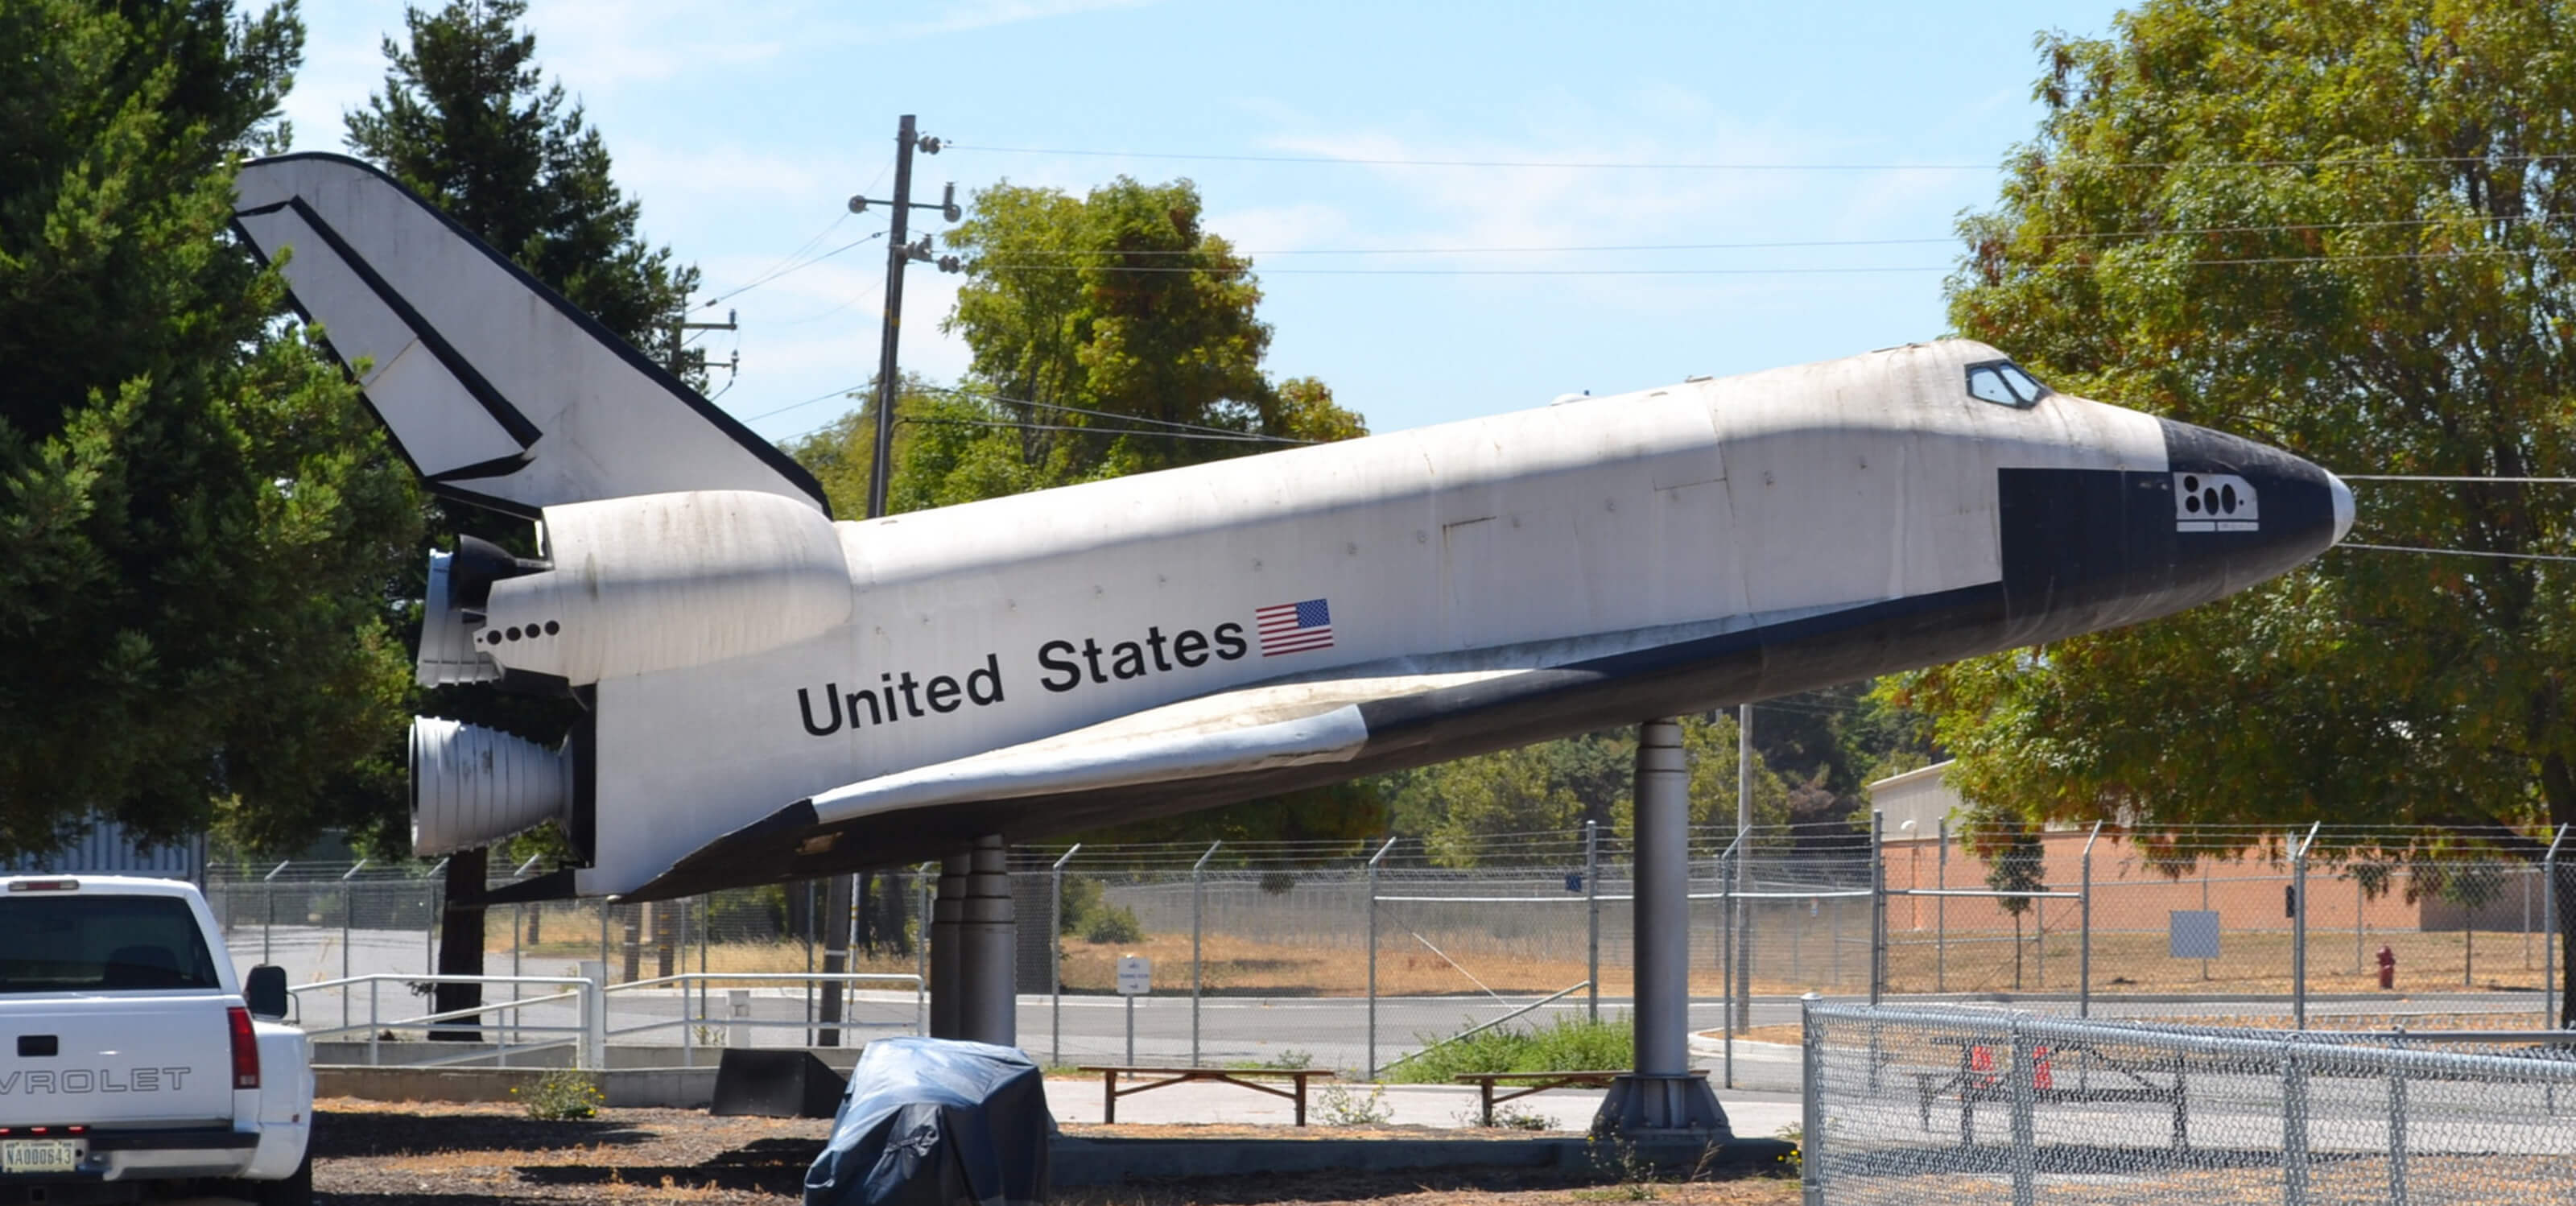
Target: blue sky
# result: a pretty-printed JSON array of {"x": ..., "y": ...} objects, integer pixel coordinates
[{"x": 743, "y": 130}]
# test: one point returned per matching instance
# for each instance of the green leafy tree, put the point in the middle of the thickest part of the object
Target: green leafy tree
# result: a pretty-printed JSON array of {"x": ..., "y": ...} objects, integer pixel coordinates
[
  {"x": 466, "y": 119},
  {"x": 1465, "y": 810},
  {"x": 198, "y": 521},
  {"x": 2016, "y": 861},
  {"x": 1122, "y": 306},
  {"x": 2343, "y": 228}
]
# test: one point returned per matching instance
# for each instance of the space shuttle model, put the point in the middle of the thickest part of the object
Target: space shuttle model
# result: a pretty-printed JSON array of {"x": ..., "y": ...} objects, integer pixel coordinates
[{"x": 771, "y": 695}]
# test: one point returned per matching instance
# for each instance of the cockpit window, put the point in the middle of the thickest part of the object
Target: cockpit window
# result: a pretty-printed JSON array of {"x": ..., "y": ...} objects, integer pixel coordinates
[{"x": 2004, "y": 383}]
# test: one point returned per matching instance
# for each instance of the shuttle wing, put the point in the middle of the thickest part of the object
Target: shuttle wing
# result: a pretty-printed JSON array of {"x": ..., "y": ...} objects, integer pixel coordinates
[
  {"x": 1216, "y": 741},
  {"x": 497, "y": 390}
]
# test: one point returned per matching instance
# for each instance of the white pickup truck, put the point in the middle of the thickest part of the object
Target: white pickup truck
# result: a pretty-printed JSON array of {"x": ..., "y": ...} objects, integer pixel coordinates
[{"x": 135, "y": 1058}]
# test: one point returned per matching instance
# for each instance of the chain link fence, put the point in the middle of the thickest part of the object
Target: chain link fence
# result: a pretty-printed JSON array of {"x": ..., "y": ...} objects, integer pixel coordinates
[
  {"x": 1353, "y": 957},
  {"x": 1926, "y": 1105}
]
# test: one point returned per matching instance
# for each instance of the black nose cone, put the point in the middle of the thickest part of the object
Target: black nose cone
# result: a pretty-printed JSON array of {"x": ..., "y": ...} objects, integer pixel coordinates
[
  {"x": 2091, "y": 549},
  {"x": 2245, "y": 513}
]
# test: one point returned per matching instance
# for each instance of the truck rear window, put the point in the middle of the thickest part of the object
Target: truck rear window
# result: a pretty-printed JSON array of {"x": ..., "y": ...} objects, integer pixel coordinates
[{"x": 83, "y": 943}]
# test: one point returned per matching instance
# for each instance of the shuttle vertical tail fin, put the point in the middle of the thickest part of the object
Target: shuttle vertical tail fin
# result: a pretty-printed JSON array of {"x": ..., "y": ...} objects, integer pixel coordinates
[{"x": 497, "y": 390}]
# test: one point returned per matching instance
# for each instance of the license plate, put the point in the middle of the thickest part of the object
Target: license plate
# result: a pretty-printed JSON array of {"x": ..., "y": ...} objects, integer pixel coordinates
[{"x": 41, "y": 1155}]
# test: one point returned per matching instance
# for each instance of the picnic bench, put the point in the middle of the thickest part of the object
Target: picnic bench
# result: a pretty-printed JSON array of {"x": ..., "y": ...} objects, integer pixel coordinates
[
  {"x": 1173, "y": 1076},
  {"x": 2060, "y": 1073},
  {"x": 1527, "y": 1083}
]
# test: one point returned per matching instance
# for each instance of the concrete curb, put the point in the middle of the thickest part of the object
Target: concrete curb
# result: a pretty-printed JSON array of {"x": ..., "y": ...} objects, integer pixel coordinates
[{"x": 1078, "y": 1163}]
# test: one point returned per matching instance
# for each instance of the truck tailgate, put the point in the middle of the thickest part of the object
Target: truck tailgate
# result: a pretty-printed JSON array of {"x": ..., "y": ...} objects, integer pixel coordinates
[{"x": 115, "y": 1058}]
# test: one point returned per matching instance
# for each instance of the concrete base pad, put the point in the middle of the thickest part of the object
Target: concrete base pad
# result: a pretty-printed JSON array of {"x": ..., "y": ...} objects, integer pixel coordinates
[
  {"x": 1076, "y": 1163},
  {"x": 1662, "y": 1109}
]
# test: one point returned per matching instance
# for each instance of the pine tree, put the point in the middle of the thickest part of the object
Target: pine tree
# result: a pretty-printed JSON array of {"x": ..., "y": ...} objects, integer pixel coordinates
[
  {"x": 198, "y": 521},
  {"x": 466, "y": 119}
]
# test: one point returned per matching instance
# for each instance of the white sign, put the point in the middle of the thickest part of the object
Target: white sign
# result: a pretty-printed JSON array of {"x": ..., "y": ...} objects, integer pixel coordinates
[
  {"x": 2191, "y": 934},
  {"x": 1135, "y": 975}
]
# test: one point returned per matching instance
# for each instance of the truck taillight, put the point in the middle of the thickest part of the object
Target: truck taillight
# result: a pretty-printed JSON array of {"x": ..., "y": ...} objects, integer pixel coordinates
[{"x": 245, "y": 1049}]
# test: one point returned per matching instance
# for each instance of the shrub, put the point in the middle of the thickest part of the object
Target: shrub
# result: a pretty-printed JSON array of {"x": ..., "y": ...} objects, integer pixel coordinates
[
  {"x": 1087, "y": 912},
  {"x": 1113, "y": 923},
  {"x": 1568, "y": 1044},
  {"x": 562, "y": 1095}
]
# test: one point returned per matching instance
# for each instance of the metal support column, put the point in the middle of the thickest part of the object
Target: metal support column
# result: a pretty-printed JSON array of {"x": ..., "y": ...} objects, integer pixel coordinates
[
  {"x": 2551, "y": 1006},
  {"x": 1877, "y": 905},
  {"x": 947, "y": 908},
  {"x": 2299, "y": 928},
  {"x": 1660, "y": 1096},
  {"x": 2084, "y": 949},
  {"x": 987, "y": 1009},
  {"x": 1198, "y": 898},
  {"x": 1592, "y": 915},
  {"x": 1372, "y": 955},
  {"x": 1941, "y": 913},
  {"x": 1055, "y": 958}
]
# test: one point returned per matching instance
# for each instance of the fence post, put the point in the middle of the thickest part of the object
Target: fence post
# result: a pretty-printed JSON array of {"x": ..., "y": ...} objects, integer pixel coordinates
[
  {"x": 1592, "y": 907},
  {"x": 1877, "y": 905},
  {"x": 1055, "y": 955},
  {"x": 594, "y": 1021},
  {"x": 2550, "y": 921},
  {"x": 1198, "y": 897},
  {"x": 2397, "y": 1129},
  {"x": 1372, "y": 955},
  {"x": 1726, "y": 979},
  {"x": 2299, "y": 927},
  {"x": 2024, "y": 1136},
  {"x": 2084, "y": 923},
  {"x": 268, "y": 902},
  {"x": 2294, "y": 1125},
  {"x": 1941, "y": 913},
  {"x": 1811, "y": 1090}
]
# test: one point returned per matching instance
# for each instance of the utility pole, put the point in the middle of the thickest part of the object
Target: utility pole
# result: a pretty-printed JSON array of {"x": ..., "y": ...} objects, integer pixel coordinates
[
  {"x": 681, "y": 361},
  {"x": 898, "y": 254},
  {"x": 843, "y": 889}
]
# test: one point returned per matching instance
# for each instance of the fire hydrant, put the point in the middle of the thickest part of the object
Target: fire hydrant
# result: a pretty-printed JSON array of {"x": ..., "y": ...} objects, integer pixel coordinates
[{"x": 2387, "y": 967}]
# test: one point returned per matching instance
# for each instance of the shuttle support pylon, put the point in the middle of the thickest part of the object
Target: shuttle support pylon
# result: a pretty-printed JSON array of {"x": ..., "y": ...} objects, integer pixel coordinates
[{"x": 1661, "y": 1098}]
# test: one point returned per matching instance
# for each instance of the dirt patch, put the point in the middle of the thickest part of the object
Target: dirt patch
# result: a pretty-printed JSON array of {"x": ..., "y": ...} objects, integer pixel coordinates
[{"x": 415, "y": 1154}]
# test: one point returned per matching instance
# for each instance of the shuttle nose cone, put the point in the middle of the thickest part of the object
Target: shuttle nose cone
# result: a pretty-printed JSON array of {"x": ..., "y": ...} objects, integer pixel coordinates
[{"x": 2342, "y": 506}]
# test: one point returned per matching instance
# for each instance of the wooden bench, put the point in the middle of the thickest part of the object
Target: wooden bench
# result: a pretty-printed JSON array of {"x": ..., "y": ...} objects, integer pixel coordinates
[
  {"x": 1538, "y": 1082},
  {"x": 1231, "y": 1076}
]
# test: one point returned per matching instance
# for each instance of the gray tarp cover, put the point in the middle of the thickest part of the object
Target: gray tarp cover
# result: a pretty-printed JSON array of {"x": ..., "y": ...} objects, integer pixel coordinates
[{"x": 929, "y": 1122}]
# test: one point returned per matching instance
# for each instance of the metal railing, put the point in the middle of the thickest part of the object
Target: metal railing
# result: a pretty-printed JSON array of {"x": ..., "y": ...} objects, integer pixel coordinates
[
  {"x": 585, "y": 1035},
  {"x": 502, "y": 1028},
  {"x": 696, "y": 1023},
  {"x": 2111, "y": 1112}
]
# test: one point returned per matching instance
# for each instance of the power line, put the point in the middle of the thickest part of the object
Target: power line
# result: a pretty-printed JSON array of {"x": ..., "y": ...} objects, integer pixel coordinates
[
  {"x": 1164, "y": 435},
  {"x": 1793, "y": 244},
  {"x": 2427, "y": 477},
  {"x": 783, "y": 261},
  {"x": 1809, "y": 271},
  {"x": 1105, "y": 414},
  {"x": 1705, "y": 166},
  {"x": 2406, "y": 548},
  {"x": 843, "y": 392},
  {"x": 791, "y": 271}
]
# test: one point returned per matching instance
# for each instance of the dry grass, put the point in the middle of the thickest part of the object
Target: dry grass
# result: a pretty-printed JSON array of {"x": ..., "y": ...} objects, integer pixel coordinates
[
  {"x": 2251, "y": 961},
  {"x": 1977, "y": 961}
]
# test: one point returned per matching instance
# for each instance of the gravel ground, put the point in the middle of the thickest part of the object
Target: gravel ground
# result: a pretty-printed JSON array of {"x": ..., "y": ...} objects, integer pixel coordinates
[{"x": 414, "y": 1154}]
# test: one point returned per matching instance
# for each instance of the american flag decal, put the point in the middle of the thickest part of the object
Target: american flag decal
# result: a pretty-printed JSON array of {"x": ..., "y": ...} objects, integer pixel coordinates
[{"x": 1294, "y": 627}]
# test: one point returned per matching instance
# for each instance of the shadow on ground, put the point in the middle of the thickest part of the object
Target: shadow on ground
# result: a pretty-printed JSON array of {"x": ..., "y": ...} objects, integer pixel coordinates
[{"x": 399, "y": 1134}]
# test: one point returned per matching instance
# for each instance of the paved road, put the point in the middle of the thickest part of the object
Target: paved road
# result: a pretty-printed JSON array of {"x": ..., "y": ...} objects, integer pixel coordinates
[{"x": 1328, "y": 1031}]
